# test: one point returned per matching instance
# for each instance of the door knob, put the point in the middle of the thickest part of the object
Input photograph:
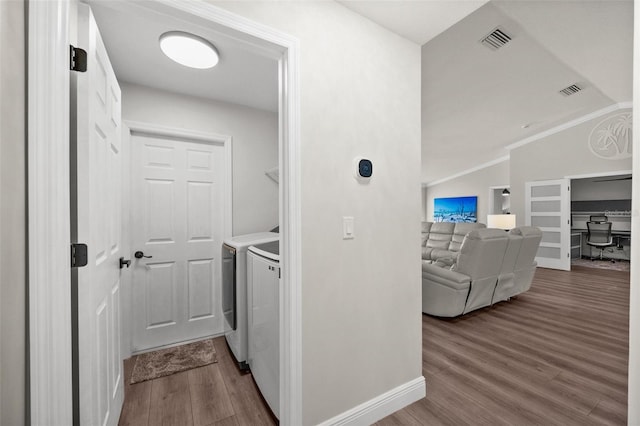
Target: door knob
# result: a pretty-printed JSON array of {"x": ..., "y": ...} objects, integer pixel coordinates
[
  {"x": 140, "y": 255},
  {"x": 124, "y": 263}
]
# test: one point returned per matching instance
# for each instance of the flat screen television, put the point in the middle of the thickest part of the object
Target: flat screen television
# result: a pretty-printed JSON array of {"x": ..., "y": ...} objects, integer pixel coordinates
[{"x": 455, "y": 209}]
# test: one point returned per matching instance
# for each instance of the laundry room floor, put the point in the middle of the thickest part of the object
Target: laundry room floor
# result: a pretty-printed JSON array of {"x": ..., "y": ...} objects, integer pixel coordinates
[{"x": 214, "y": 395}]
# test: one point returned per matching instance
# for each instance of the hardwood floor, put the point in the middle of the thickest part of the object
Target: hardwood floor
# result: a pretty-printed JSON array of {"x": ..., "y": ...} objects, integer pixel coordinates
[
  {"x": 556, "y": 355},
  {"x": 214, "y": 395}
]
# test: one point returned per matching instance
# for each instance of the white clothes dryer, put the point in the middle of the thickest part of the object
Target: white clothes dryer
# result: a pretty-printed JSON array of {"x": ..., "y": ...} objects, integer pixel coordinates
[
  {"x": 234, "y": 290},
  {"x": 263, "y": 287}
]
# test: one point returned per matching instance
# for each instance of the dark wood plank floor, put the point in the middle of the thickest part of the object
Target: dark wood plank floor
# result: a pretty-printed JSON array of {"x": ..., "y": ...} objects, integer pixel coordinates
[
  {"x": 214, "y": 395},
  {"x": 556, "y": 355}
]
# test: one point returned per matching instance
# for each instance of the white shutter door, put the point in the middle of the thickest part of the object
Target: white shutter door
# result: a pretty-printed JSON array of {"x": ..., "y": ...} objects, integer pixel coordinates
[{"x": 548, "y": 207}]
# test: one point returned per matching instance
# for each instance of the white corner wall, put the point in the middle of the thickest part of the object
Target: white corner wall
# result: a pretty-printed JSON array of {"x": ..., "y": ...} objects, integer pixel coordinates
[
  {"x": 476, "y": 183},
  {"x": 562, "y": 154},
  {"x": 361, "y": 298},
  {"x": 255, "y": 145},
  {"x": 633, "y": 417},
  {"x": 12, "y": 214}
]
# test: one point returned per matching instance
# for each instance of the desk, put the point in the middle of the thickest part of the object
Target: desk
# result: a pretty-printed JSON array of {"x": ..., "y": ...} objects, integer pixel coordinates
[
  {"x": 576, "y": 244},
  {"x": 620, "y": 250}
]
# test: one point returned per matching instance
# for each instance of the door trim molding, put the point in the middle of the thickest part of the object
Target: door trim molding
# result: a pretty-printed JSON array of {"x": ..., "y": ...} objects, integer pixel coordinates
[
  {"x": 49, "y": 238},
  {"x": 48, "y": 195},
  {"x": 138, "y": 127}
]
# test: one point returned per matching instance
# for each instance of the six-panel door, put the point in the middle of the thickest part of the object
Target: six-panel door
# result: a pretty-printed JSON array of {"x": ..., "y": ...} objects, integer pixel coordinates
[{"x": 177, "y": 224}]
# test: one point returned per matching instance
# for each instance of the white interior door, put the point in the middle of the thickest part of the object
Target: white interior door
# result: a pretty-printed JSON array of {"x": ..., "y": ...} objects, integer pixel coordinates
[
  {"x": 548, "y": 206},
  {"x": 177, "y": 221},
  {"x": 98, "y": 187}
]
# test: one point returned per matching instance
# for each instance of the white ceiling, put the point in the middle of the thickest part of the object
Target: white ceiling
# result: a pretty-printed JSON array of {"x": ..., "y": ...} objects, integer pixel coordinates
[
  {"x": 418, "y": 21},
  {"x": 475, "y": 100},
  {"x": 241, "y": 77}
]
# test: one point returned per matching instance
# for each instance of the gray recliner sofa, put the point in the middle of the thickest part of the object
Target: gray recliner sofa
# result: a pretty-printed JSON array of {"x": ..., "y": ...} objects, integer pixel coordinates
[
  {"x": 470, "y": 282},
  {"x": 492, "y": 265},
  {"x": 442, "y": 240}
]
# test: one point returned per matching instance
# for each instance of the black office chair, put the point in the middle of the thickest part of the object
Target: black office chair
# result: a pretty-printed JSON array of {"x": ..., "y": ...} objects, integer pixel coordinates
[
  {"x": 598, "y": 218},
  {"x": 599, "y": 236}
]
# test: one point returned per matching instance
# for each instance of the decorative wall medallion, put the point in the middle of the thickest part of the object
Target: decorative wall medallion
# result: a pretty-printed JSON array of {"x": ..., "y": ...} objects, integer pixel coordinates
[{"x": 611, "y": 139}]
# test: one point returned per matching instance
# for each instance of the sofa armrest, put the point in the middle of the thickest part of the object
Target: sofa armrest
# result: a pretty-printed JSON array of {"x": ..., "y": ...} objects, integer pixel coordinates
[
  {"x": 446, "y": 262},
  {"x": 445, "y": 276}
]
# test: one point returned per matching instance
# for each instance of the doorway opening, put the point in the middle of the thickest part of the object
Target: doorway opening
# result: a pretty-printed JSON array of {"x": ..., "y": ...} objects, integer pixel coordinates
[
  {"x": 499, "y": 199},
  {"x": 601, "y": 221},
  {"x": 50, "y": 34}
]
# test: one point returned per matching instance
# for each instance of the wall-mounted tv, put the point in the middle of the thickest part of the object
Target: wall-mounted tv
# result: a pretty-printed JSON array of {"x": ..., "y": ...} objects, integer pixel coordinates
[{"x": 455, "y": 209}]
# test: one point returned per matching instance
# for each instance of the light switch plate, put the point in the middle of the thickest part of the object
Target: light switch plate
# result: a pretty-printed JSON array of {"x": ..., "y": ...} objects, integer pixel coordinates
[{"x": 348, "y": 232}]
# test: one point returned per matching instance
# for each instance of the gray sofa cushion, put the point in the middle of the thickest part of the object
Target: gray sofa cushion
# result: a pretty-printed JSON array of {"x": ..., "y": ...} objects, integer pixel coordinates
[
  {"x": 506, "y": 286},
  {"x": 525, "y": 265},
  {"x": 440, "y": 235},
  {"x": 426, "y": 228},
  {"x": 460, "y": 231}
]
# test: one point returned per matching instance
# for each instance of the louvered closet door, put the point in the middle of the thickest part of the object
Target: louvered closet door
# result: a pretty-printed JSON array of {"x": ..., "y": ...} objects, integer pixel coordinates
[
  {"x": 177, "y": 216},
  {"x": 548, "y": 206}
]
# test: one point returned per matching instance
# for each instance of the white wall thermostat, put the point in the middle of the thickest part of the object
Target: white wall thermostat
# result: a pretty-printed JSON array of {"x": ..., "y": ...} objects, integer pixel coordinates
[{"x": 363, "y": 169}]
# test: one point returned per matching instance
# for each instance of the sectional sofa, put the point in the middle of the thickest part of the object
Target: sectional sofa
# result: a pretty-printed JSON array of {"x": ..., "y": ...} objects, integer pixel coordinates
[
  {"x": 442, "y": 240},
  {"x": 492, "y": 265}
]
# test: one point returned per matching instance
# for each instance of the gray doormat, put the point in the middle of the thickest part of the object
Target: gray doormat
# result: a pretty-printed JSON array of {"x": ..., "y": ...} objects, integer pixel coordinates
[{"x": 165, "y": 362}]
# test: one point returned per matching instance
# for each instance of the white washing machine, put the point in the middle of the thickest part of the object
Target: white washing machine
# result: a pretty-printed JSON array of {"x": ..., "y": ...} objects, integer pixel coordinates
[
  {"x": 263, "y": 285},
  {"x": 234, "y": 290}
]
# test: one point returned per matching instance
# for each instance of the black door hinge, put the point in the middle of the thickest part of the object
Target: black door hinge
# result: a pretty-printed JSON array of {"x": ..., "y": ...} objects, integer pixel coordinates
[
  {"x": 78, "y": 59},
  {"x": 79, "y": 255}
]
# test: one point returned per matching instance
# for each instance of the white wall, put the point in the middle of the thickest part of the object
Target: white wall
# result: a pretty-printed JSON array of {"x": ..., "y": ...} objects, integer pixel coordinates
[
  {"x": 633, "y": 417},
  {"x": 562, "y": 154},
  {"x": 361, "y": 304},
  {"x": 592, "y": 190},
  {"x": 12, "y": 214},
  {"x": 476, "y": 183},
  {"x": 255, "y": 145}
]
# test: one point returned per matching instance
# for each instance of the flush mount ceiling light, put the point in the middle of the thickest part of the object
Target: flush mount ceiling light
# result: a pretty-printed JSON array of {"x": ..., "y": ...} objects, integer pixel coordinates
[{"x": 189, "y": 50}]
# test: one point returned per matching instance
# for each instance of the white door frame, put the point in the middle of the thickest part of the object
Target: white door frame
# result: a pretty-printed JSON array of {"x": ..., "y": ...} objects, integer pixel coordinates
[{"x": 49, "y": 273}]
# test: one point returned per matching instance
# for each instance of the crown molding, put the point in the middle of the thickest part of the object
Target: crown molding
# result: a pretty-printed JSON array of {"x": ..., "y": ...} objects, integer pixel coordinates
[
  {"x": 466, "y": 172},
  {"x": 570, "y": 124},
  {"x": 538, "y": 136}
]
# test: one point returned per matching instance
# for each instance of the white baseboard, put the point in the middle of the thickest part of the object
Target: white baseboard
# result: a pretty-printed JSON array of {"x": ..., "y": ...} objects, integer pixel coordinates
[{"x": 381, "y": 406}]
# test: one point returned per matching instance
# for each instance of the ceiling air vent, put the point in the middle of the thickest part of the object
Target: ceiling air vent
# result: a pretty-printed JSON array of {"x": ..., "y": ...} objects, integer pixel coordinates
[
  {"x": 496, "y": 39},
  {"x": 571, "y": 90}
]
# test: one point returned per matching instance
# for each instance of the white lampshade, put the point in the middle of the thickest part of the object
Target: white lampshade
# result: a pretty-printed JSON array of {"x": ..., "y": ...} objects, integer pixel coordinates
[{"x": 501, "y": 221}]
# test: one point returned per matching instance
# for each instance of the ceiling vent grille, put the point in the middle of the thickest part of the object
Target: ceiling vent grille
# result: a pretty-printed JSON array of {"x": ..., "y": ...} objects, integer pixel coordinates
[
  {"x": 496, "y": 39},
  {"x": 571, "y": 90}
]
